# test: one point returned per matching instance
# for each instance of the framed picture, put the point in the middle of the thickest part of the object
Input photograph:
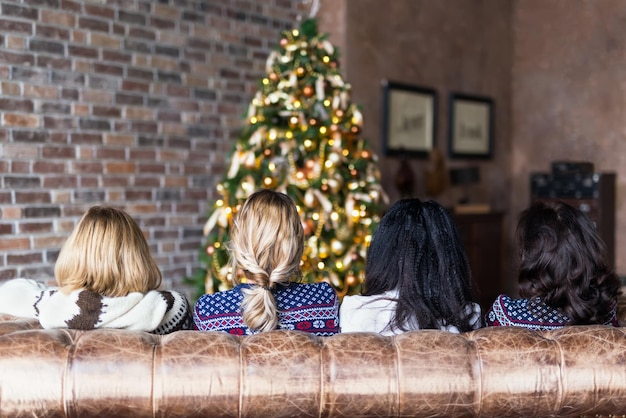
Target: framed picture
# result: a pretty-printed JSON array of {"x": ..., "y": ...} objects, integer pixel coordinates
[
  {"x": 471, "y": 126},
  {"x": 409, "y": 120}
]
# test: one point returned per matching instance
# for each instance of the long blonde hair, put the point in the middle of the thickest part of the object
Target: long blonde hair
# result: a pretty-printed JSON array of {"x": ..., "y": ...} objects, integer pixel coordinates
[
  {"x": 267, "y": 241},
  {"x": 107, "y": 253}
]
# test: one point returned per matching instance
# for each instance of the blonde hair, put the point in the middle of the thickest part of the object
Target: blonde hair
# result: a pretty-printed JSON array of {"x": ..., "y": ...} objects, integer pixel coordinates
[
  {"x": 107, "y": 253},
  {"x": 267, "y": 241}
]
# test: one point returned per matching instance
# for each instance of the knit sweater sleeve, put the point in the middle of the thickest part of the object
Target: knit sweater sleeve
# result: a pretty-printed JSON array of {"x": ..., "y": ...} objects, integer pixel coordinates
[
  {"x": 496, "y": 313},
  {"x": 19, "y": 296}
]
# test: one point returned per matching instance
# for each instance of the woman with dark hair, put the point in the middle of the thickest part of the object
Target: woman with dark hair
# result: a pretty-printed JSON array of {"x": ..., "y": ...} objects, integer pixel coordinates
[
  {"x": 564, "y": 278},
  {"x": 417, "y": 275}
]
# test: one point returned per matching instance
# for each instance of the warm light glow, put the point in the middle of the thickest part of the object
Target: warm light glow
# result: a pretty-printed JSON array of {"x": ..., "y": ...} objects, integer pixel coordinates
[
  {"x": 219, "y": 203},
  {"x": 308, "y": 143},
  {"x": 326, "y": 102},
  {"x": 295, "y": 32},
  {"x": 271, "y": 166},
  {"x": 326, "y": 59},
  {"x": 253, "y": 120},
  {"x": 272, "y": 135},
  {"x": 315, "y": 216},
  {"x": 323, "y": 130},
  {"x": 321, "y": 265},
  {"x": 334, "y": 216},
  {"x": 289, "y": 135},
  {"x": 265, "y": 81}
]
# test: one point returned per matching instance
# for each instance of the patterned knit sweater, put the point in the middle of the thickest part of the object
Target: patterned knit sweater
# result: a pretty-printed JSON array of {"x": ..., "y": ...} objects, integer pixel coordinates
[
  {"x": 311, "y": 308},
  {"x": 529, "y": 313},
  {"x": 158, "y": 312}
]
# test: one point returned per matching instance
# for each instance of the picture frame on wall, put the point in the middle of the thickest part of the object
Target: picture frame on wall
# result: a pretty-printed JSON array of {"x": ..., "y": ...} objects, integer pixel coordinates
[
  {"x": 409, "y": 119},
  {"x": 471, "y": 126}
]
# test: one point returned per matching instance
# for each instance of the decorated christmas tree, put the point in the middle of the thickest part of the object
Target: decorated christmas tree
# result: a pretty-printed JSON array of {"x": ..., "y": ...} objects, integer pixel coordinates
[{"x": 302, "y": 137}]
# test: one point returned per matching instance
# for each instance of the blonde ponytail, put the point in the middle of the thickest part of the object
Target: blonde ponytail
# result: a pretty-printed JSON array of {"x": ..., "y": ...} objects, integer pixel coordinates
[{"x": 259, "y": 309}]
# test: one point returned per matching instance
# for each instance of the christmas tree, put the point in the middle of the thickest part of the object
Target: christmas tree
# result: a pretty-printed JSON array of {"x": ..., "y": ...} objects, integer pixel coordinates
[{"x": 302, "y": 138}]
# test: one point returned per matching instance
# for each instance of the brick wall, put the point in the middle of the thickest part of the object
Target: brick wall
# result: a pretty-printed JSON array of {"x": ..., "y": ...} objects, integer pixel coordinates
[{"x": 130, "y": 103}]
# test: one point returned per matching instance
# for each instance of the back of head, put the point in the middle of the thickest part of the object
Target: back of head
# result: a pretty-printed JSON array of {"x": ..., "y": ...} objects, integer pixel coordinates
[
  {"x": 417, "y": 250},
  {"x": 563, "y": 262},
  {"x": 107, "y": 253},
  {"x": 267, "y": 241}
]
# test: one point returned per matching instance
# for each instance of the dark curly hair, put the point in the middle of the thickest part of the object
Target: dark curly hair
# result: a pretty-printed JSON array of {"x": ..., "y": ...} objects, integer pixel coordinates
[
  {"x": 416, "y": 249},
  {"x": 564, "y": 264}
]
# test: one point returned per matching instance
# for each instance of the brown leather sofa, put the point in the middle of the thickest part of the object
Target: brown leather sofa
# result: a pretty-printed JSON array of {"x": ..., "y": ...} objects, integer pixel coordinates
[{"x": 493, "y": 372}]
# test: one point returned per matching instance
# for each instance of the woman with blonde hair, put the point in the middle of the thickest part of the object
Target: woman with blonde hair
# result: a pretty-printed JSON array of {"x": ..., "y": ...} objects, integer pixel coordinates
[
  {"x": 107, "y": 279},
  {"x": 267, "y": 241}
]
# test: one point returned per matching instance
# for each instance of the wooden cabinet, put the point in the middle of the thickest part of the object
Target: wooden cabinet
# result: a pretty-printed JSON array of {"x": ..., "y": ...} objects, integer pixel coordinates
[{"x": 482, "y": 236}]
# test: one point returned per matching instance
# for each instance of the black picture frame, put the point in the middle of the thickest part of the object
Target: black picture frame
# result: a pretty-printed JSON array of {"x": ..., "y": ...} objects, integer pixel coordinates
[
  {"x": 471, "y": 126},
  {"x": 409, "y": 125}
]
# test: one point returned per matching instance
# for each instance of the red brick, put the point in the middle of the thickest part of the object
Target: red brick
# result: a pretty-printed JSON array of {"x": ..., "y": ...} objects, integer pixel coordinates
[
  {"x": 59, "y": 152},
  {"x": 14, "y": 243},
  {"x": 56, "y": 17},
  {"x": 41, "y": 92},
  {"x": 105, "y": 41},
  {"x": 116, "y": 168},
  {"x": 48, "y": 167},
  {"x": 28, "y": 258},
  {"x": 21, "y": 120},
  {"x": 100, "y": 11},
  {"x": 60, "y": 182},
  {"x": 119, "y": 139},
  {"x": 111, "y": 153},
  {"x": 135, "y": 86},
  {"x": 35, "y": 227}
]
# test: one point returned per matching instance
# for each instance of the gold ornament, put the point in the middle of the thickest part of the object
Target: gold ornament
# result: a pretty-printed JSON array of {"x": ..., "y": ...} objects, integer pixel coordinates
[
  {"x": 269, "y": 182},
  {"x": 308, "y": 91},
  {"x": 323, "y": 250},
  {"x": 300, "y": 71},
  {"x": 308, "y": 226},
  {"x": 351, "y": 280},
  {"x": 337, "y": 247}
]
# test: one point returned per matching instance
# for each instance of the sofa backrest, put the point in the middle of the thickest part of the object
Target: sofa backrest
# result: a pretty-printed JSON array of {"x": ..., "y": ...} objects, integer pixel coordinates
[{"x": 495, "y": 372}]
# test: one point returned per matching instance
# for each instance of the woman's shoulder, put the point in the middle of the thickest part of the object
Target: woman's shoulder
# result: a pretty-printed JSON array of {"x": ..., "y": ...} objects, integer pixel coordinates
[
  {"x": 223, "y": 300},
  {"x": 321, "y": 289}
]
